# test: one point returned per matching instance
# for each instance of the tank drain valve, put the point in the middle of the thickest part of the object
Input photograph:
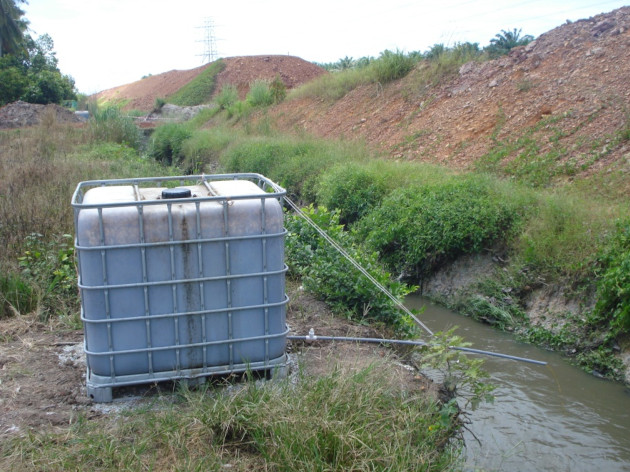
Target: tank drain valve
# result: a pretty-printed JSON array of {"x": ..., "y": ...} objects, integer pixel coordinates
[{"x": 311, "y": 336}]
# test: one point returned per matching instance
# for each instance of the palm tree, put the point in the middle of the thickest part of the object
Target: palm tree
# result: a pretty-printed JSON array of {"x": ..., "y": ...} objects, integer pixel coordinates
[
  {"x": 506, "y": 40},
  {"x": 12, "y": 26}
]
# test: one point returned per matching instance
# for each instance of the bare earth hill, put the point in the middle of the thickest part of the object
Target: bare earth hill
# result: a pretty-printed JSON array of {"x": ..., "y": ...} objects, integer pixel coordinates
[
  {"x": 239, "y": 71},
  {"x": 576, "y": 75}
]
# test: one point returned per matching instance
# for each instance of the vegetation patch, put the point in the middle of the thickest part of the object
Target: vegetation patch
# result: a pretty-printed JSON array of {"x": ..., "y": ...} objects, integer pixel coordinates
[
  {"x": 416, "y": 228},
  {"x": 200, "y": 89},
  {"x": 326, "y": 273},
  {"x": 339, "y": 421}
]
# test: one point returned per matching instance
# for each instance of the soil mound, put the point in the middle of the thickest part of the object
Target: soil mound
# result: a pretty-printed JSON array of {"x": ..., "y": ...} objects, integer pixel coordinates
[
  {"x": 239, "y": 71},
  {"x": 576, "y": 76},
  {"x": 19, "y": 114}
]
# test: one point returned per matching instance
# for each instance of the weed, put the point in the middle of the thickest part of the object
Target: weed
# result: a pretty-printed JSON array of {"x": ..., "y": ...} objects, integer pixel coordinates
[
  {"x": 259, "y": 94},
  {"x": 416, "y": 228},
  {"x": 227, "y": 96},
  {"x": 16, "y": 296},
  {"x": 353, "y": 189}
]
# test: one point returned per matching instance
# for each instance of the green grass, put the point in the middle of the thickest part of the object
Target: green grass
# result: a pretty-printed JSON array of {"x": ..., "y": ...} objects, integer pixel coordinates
[
  {"x": 340, "y": 421},
  {"x": 200, "y": 89}
]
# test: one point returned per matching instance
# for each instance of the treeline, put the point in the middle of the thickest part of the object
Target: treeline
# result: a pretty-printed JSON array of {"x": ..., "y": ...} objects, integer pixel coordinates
[{"x": 29, "y": 67}]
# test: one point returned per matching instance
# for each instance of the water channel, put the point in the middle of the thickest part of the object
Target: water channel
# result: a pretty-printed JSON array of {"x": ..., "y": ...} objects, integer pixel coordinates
[{"x": 551, "y": 418}]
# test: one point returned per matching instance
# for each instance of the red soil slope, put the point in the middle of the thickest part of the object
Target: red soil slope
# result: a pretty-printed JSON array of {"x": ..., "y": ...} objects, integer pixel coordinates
[{"x": 239, "y": 71}]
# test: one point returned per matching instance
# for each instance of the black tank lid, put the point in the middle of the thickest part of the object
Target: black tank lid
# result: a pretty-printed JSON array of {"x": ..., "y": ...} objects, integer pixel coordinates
[{"x": 177, "y": 192}]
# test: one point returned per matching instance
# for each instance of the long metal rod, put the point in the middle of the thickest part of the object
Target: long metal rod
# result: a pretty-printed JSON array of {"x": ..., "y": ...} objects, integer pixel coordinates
[{"x": 313, "y": 337}]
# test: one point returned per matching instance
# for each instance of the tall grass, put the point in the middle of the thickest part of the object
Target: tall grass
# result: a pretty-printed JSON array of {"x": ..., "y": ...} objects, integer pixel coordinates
[
  {"x": 41, "y": 167},
  {"x": 359, "y": 420},
  {"x": 294, "y": 163},
  {"x": 108, "y": 124}
]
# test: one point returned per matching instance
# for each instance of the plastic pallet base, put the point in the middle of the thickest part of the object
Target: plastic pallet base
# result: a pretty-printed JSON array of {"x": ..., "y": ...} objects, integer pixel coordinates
[{"x": 101, "y": 392}]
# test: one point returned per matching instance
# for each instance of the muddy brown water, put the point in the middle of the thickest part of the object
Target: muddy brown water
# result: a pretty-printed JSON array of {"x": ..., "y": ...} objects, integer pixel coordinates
[{"x": 552, "y": 418}]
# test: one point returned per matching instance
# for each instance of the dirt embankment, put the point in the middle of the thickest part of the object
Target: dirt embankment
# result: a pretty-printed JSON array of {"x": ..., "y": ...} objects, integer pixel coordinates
[
  {"x": 579, "y": 71},
  {"x": 20, "y": 114},
  {"x": 239, "y": 71}
]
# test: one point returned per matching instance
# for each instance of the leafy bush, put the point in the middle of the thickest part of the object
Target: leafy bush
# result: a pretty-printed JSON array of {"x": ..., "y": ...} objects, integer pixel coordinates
[
  {"x": 353, "y": 189},
  {"x": 108, "y": 124},
  {"x": 51, "y": 267},
  {"x": 416, "y": 228},
  {"x": 613, "y": 302},
  {"x": 259, "y": 94},
  {"x": 167, "y": 142},
  {"x": 227, "y": 96},
  {"x": 278, "y": 89},
  {"x": 329, "y": 275}
]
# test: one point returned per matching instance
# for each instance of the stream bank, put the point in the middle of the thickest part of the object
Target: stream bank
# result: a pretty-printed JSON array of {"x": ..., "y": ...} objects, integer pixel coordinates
[{"x": 551, "y": 316}]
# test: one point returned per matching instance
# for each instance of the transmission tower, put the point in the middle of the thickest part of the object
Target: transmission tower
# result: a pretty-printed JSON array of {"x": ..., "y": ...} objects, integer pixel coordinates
[{"x": 209, "y": 42}]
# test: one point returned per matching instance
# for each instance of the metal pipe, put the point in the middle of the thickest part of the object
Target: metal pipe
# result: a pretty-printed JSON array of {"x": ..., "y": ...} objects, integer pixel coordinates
[{"x": 312, "y": 337}]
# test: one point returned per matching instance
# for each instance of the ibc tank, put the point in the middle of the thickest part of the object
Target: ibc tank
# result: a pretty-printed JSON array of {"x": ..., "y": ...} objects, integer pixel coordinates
[{"x": 180, "y": 283}]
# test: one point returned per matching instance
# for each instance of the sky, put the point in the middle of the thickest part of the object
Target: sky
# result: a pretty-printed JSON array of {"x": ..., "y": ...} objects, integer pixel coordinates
[{"x": 107, "y": 43}]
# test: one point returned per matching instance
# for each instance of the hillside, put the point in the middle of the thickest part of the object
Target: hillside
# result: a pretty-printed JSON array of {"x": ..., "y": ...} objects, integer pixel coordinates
[
  {"x": 239, "y": 71},
  {"x": 566, "y": 95}
]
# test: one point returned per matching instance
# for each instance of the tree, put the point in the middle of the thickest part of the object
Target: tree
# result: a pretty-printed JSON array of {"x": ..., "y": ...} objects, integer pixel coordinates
[
  {"x": 12, "y": 26},
  {"x": 503, "y": 42},
  {"x": 31, "y": 74}
]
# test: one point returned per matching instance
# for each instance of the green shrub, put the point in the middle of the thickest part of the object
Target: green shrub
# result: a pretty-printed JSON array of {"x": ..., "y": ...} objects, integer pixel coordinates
[
  {"x": 278, "y": 89},
  {"x": 238, "y": 110},
  {"x": 167, "y": 141},
  {"x": 418, "y": 227},
  {"x": 613, "y": 294},
  {"x": 326, "y": 273},
  {"x": 159, "y": 103},
  {"x": 392, "y": 65},
  {"x": 51, "y": 267},
  {"x": 353, "y": 189},
  {"x": 259, "y": 94},
  {"x": 109, "y": 124},
  {"x": 227, "y": 97}
]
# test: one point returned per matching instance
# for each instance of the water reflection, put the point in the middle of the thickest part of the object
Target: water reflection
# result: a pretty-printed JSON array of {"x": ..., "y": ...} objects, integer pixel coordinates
[{"x": 553, "y": 418}]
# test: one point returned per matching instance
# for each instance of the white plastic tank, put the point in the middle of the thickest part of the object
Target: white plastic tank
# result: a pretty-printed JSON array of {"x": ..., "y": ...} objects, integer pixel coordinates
[{"x": 180, "y": 283}]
